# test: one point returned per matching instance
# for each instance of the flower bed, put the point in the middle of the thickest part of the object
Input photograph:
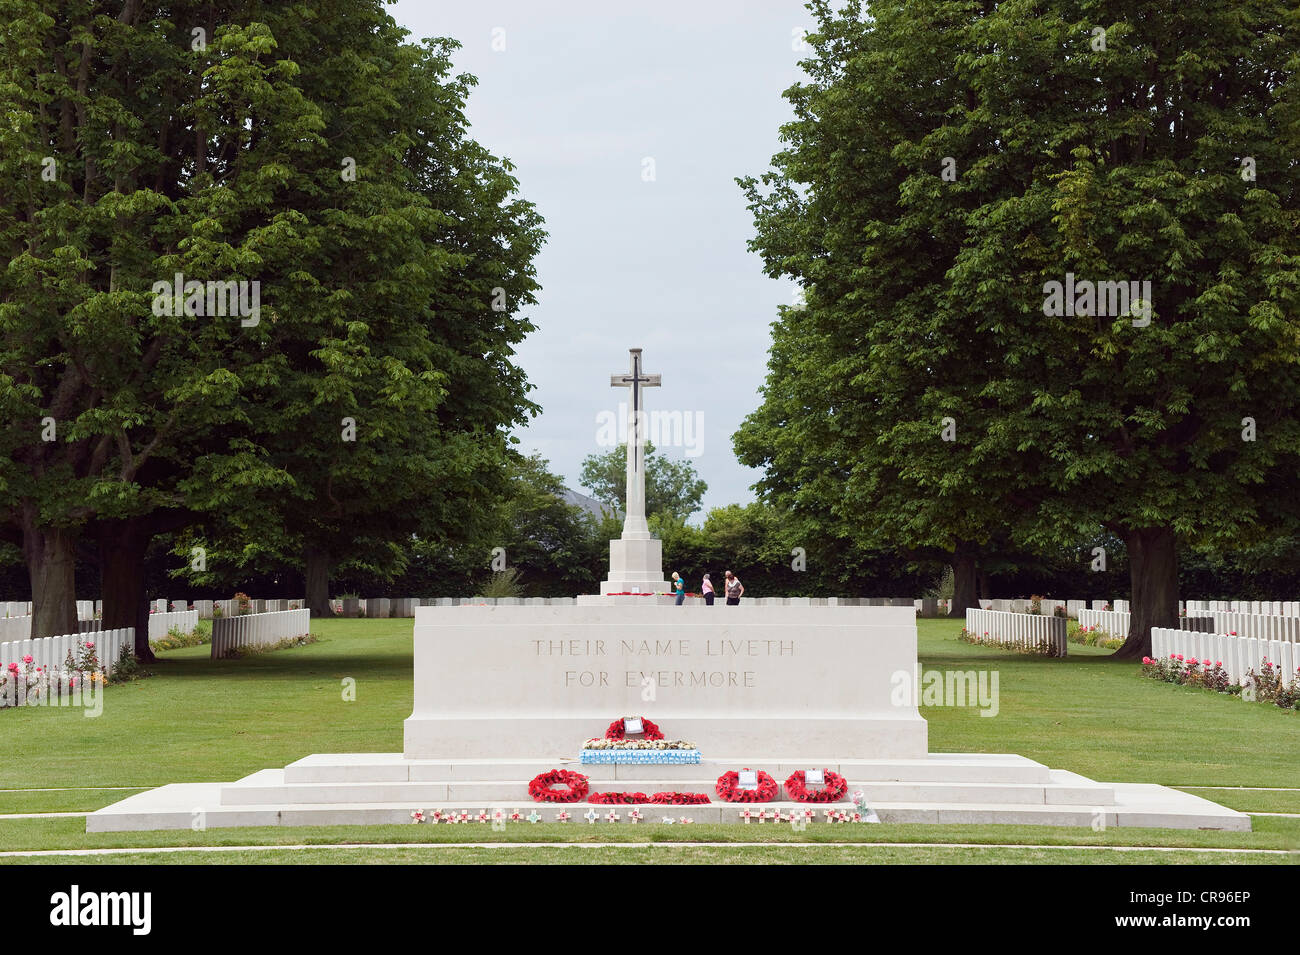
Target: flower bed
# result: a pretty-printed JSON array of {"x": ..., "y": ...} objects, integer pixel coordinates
[
  {"x": 1093, "y": 637},
  {"x": 26, "y": 683},
  {"x": 1037, "y": 649},
  {"x": 1269, "y": 685}
]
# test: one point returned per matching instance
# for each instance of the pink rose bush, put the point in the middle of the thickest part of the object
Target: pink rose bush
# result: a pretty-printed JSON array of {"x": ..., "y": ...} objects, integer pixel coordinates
[{"x": 1266, "y": 686}]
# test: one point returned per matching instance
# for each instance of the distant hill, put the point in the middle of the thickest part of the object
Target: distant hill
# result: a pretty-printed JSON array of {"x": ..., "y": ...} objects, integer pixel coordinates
[{"x": 589, "y": 504}]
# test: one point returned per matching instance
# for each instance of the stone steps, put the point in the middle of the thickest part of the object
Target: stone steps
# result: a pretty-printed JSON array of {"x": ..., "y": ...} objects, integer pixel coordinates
[
  {"x": 270, "y": 787},
  {"x": 392, "y": 767},
  {"x": 196, "y": 806}
]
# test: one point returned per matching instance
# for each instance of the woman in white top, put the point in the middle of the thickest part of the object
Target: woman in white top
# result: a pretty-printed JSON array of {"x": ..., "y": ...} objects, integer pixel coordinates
[{"x": 735, "y": 589}]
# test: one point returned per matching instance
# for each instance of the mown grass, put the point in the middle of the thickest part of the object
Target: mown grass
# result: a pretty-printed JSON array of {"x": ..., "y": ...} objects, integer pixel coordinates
[
  {"x": 1099, "y": 717},
  {"x": 1270, "y": 832},
  {"x": 679, "y": 854}
]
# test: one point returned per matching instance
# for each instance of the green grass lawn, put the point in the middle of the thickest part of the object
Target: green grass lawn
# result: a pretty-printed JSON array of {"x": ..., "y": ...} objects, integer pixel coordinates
[
  {"x": 1096, "y": 716},
  {"x": 199, "y": 720},
  {"x": 666, "y": 854}
]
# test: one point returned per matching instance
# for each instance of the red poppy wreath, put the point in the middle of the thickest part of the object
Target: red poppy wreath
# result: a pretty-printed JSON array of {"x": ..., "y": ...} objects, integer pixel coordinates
[
  {"x": 650, "y": 730},
  {"x": 618, "y": 799},
  {"x": 680, "y": 799},
  {"x": 728, "y": 788},
  {"x": 541, "y": 787},
  {"x": 834, "y": 789}
]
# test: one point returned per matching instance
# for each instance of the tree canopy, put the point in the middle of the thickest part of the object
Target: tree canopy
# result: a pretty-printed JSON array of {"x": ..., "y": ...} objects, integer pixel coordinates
[
  {"x": 320, "y": 157},
  {"x": 947, "y": 163},
  {"x": 672, "y": 488}
]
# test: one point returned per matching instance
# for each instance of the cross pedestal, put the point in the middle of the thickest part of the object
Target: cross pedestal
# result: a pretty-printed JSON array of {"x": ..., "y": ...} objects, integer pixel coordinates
[{"x": 635, "y": 566}]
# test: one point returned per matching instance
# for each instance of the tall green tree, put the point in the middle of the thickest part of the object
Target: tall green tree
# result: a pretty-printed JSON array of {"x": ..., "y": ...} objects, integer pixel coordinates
[
  {"x": 319, "y": 156},
  {"x": 554, "y": 545},
  {"x": 878, "y": 412},
  {"x": 672, "y": 488},
  {"x": 947, "y": 162},
  {"x": 111, "y": 403},
  {"x": 411, "y": 385}
]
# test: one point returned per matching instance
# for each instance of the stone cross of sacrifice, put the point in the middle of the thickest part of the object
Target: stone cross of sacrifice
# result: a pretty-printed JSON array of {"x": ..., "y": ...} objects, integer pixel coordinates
[{"x": 634, "y": 522}]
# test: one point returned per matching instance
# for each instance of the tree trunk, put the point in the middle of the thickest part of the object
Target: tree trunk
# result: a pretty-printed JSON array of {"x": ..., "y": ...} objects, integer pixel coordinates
[
  {"x": 122, "y": 546},
  {"x": 1153, "y": 575},
  {"x": 318, "y": 582},
  {"x": 963, "y": 582},
  {"x": 51, "y": 555}
]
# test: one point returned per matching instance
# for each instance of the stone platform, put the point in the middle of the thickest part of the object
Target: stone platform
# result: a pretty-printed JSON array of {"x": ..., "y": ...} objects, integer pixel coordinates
[
  {"x": 379, "y": 788},
  {"x": 505, "y": 693}
]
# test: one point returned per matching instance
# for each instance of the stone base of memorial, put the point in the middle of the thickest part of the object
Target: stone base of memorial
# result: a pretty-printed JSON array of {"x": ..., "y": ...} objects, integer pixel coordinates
[
  {"x": 630, "y": 599},
  {"x": 636, "y": 565},
  {"x": 505, "y": 694},
  {"x": 785, "y": 682}
]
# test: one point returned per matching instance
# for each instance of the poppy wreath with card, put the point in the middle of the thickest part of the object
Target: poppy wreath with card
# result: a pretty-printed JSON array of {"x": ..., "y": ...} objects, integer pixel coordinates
[
  {"x": 832, "y": 790},
  {"x": 541, "y": 787},
  {"x": 649, "y": 730},
  {"x": 728, "y": 788}
]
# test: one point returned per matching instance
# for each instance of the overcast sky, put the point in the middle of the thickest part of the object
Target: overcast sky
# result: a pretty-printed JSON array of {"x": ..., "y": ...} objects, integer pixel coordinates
[{"x": 582, "y": 94}]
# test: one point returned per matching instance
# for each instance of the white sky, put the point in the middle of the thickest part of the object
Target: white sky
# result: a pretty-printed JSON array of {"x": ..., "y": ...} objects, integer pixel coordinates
[{"x": 582, "y": 93}]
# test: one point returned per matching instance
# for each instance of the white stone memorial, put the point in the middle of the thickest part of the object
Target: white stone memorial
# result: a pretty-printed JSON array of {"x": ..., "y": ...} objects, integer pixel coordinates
[
  {"x": 636, "y": 560},
  {"x": 785, "y": 682},
  {"x": 506, "y": 692}
]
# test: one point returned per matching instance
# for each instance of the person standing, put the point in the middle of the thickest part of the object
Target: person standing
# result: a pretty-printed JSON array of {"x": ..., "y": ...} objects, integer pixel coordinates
[
  {"x": 679, "y": 587},
  {"x": 706, "y": 589},
  {"x": 735, "y": 589}
]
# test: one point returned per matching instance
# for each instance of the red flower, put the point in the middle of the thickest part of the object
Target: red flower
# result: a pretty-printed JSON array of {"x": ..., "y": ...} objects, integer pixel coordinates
[
  {"x": 541, "y": 791},
  {"x": 618, "y": 799},
  {"x": 833, "y": 790},
  {"x": 648, "y": 729},
  {"x": 665, "y": 799},
  {"x": 680, "y": 799},
  {"x": 728, "y": 788}
]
